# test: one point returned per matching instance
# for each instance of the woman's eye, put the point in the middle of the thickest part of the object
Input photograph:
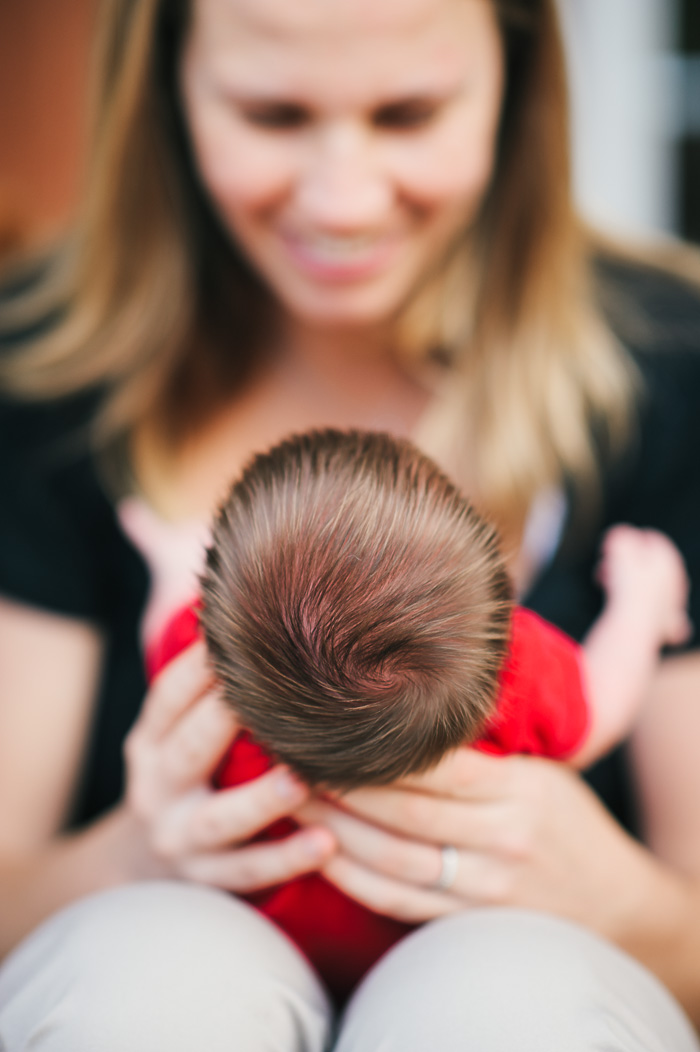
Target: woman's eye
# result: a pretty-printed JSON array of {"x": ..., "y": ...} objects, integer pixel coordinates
[
  {"x": 406, "y": 116},
  {"x": 280, "y": 116}
]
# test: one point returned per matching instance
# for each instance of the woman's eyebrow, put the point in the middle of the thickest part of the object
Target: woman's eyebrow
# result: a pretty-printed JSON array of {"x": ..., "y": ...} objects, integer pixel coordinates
[
  {"x": 250, "y": 96},
  {"x": 435, "y": 96}
]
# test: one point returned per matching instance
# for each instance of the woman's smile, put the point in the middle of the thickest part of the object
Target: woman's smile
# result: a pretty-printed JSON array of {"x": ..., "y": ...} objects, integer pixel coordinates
[{"x": 337, "y": 259}]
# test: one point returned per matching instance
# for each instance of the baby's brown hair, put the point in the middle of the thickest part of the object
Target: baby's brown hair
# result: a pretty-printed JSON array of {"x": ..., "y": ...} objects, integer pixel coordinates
[{"x": 356, "y": 608}]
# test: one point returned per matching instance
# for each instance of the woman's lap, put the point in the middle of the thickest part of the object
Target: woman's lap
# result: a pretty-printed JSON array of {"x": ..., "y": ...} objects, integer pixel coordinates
[
  {"x": 179, "y": 967},
  {"x": 502, "y": 980},
  {"x": 160, "y": 966}
]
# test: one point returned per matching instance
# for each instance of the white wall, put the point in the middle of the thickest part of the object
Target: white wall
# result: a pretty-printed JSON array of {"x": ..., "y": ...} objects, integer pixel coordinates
[{"x": 624, "y": 92}]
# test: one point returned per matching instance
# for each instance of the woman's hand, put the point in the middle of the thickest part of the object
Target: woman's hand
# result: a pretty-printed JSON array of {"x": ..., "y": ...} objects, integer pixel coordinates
[
  {"x": 528, "y": 833},
  {"x": 193, "y": 831}
]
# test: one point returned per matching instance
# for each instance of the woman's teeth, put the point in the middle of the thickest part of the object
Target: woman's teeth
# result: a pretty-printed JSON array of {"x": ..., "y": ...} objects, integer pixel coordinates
[{"x": 325, "y": 247}]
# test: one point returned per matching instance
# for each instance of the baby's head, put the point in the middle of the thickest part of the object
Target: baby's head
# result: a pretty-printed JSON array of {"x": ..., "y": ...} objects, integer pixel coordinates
[{"x": 356, "y": 608}]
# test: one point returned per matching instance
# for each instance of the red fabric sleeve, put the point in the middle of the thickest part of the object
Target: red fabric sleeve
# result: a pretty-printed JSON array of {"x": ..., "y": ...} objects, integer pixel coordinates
[
  {"x": 542, "y": 705},
  {"x": 180, "y": 632}
]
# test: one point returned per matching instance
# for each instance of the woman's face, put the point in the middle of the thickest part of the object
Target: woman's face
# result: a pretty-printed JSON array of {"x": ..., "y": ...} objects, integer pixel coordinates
[{"x": 343, "y": 142}]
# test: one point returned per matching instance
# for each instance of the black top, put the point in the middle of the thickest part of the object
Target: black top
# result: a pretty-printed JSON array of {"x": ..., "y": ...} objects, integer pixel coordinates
[{"x": 61, "y": 547}]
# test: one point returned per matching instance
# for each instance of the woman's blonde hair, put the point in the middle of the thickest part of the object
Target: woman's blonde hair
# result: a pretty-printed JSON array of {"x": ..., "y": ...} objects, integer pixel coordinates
[{"x": 160, "y": 310}]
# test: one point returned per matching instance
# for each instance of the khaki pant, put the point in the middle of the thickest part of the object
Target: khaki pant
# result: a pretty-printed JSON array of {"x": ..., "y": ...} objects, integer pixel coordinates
[{"x": 163, "y": 967}]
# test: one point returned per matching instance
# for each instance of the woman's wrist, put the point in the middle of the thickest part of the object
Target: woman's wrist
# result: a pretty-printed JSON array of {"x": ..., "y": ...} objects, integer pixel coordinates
[
  {"x": 120, "y": 842},
  {"x": 35, "y": 884}
]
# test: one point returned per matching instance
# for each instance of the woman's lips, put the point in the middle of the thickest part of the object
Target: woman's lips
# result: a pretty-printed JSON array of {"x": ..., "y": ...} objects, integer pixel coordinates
[{"x": 334, "y": 259}]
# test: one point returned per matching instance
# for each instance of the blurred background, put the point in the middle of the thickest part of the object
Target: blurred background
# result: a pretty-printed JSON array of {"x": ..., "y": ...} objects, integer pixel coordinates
[{"x": 635, "y": 79}]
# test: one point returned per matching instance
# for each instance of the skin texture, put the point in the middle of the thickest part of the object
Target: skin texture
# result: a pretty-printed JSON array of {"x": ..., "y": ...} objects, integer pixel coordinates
[{"x": 528, "y": 832}]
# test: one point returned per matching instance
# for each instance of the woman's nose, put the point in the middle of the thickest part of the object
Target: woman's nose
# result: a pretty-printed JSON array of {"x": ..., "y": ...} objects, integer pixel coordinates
[{"x": 342, "y": 186}]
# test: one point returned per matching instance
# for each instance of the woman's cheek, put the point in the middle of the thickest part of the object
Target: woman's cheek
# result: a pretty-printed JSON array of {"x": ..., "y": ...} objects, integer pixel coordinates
[
  {"x": 451, "y": 168},
  {"x": 457, "y": 184},
  {"x": 240, "y": 171}
]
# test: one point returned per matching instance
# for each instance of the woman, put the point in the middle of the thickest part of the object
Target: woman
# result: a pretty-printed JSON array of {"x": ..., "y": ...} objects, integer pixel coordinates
[{"x": 347, "y": 214}]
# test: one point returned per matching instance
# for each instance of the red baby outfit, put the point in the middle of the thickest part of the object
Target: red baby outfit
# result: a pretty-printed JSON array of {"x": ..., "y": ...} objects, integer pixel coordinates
[{"x": 542, "y": 710}]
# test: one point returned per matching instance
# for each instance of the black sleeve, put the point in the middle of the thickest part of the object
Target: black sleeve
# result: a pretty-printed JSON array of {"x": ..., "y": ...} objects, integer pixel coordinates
[
  {"x": 52, "y": 509},
  {"x": 660, "y": 485},
  {"x": 655, "y": 482},
  {"x": 49, "y": 510}
]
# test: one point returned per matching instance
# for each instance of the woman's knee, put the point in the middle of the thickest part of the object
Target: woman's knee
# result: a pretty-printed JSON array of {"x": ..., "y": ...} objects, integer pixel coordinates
[
  {"x": 160, "y": 965},
  {"x": 506, "y": 980}
]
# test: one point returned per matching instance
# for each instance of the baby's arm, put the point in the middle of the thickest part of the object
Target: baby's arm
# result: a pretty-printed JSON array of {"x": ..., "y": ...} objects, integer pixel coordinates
[{"x": 646, "y": 589}]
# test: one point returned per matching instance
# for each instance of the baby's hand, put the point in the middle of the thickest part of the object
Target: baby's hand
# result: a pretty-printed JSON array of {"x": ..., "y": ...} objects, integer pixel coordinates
[{"x": 643, "y": 570}]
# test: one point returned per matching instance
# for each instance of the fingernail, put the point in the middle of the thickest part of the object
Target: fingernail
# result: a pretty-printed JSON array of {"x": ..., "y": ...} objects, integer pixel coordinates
[{"x": 289, "y": 787}]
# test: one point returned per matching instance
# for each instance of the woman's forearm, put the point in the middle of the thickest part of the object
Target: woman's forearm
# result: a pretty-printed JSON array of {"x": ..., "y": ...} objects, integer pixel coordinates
[
  {"x": 667, "y": 779},
  {"x": 113, "y": 851},
  {"x": 662, "y": 931}
]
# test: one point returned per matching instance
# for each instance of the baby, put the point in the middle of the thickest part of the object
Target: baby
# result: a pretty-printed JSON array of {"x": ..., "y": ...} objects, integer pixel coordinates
[{"x": 358, "y": 613}]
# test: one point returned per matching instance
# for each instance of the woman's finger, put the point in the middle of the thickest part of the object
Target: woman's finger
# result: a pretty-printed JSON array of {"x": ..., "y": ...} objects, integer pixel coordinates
[
  {"x": 435, "y": 819},
  {"x": 478, "y": 879},
  {"x": 179, "y": 686},
  {"x": 230, "y": 816},
  {"x": 259, "y": 866},
  {"x": 197, "y": 742},
  {"x": 390, "y": 897},
  {"x": 204, "y": 820},
  {"x": 377, "y": 849},
  {"x": 468, "y": 774}
]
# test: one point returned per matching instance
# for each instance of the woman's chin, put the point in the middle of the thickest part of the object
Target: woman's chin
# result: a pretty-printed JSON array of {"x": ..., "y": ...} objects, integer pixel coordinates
[{"x": 344, "y": 309}]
